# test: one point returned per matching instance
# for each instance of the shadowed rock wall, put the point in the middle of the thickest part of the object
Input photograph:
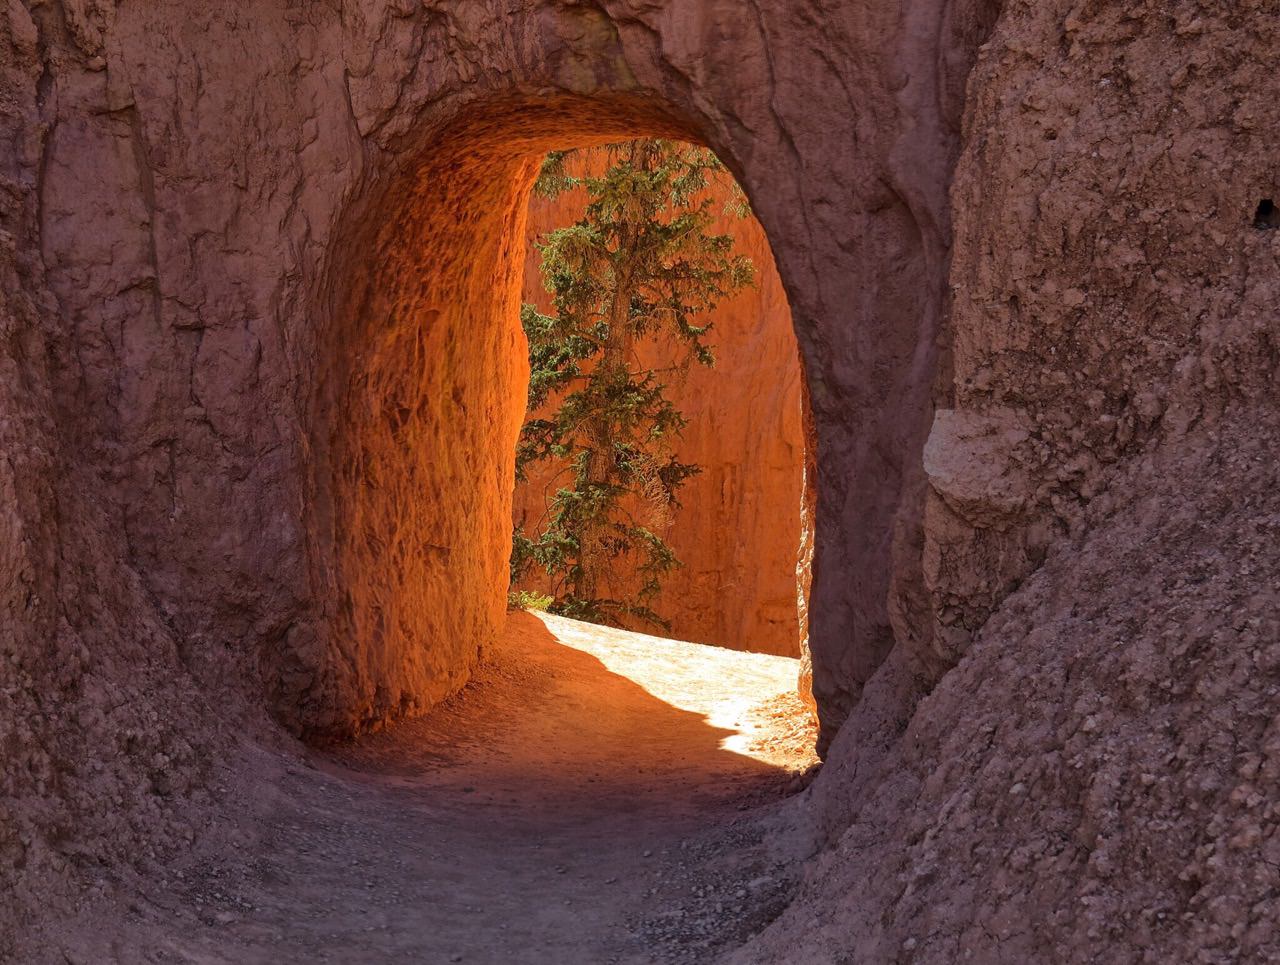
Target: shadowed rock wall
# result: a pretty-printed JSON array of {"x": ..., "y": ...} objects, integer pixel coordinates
[
  {"x": 1090, "y": 776},
  {"x": 737, "y": 530},
  {"x": 259, "y": 280},
  {"x": 1140, "y": 300},
  {"x": 248, "y": 252}
]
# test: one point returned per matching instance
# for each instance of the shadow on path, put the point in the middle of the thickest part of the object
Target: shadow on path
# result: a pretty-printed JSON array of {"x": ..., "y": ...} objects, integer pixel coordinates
[
  {"x": 546, "y": 721},
  {"x": 568, "y": 793}
]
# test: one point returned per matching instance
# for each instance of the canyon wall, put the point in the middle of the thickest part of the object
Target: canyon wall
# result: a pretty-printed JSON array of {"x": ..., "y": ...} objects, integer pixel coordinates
[
  {"x": 258, "y": 274},
  {"x": 261, "y": 268},
  {"x": 1089, "y": 772},
  {"x": 737, "y": 529}
]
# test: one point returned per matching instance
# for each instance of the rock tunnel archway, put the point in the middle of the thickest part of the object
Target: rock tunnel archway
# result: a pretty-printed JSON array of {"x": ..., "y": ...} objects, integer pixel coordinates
[
  {"x": 213, "y": 402},
  {"x": 194, "y": 185},
  {"x": 419, "y": 396},
  {"x": 419, "y": 399}
]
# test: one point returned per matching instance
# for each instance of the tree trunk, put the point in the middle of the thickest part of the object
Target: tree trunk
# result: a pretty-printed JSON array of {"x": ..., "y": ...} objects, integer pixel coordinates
[{"x": 601, "y": 468}]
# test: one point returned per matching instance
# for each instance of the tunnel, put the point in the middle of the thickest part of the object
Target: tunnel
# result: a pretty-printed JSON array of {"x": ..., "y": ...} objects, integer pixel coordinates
[{"x": 416, "y": 406}]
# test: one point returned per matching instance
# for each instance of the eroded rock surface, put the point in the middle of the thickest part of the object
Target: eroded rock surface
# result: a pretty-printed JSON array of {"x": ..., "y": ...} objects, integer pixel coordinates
[
  {"x": 258, "y": 265},
  {"x": 1111, "y": 289},
  {"x": 1093, "y": 781}
]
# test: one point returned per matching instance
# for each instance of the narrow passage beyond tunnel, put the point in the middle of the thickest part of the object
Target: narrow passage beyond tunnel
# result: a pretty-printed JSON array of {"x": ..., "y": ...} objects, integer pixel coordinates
[{"x": 734, "y": 525}]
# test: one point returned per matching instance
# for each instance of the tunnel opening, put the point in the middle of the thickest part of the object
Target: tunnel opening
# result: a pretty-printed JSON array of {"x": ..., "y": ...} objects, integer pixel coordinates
[
  {"x": 703, "y": 541},
  {"x": 419, "y": 402}
]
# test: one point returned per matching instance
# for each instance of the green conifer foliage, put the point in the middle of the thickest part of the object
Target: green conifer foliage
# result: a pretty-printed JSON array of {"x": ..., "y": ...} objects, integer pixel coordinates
[{"x": 640, "y": 265}]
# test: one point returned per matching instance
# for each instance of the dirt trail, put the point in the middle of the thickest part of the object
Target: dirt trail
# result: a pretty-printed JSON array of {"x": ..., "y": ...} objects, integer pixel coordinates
[{"x": 594, "y": 796}]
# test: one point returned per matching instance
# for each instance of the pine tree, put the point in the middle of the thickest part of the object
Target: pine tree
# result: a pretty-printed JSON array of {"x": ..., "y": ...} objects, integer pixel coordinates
[{"x": 640, "y": 265}]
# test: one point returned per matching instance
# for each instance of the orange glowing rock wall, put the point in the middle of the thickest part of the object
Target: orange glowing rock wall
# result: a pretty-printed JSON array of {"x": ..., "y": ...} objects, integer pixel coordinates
[{"x": 737, "y": 530}]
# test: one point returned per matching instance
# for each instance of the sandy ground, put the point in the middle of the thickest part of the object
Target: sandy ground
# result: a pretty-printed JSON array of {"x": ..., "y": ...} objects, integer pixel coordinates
[{"x": 593, "y": 796}]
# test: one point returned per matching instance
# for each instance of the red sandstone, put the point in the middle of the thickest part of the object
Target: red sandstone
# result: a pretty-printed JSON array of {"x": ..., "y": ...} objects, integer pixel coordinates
[{"x": 260, "y": 380}]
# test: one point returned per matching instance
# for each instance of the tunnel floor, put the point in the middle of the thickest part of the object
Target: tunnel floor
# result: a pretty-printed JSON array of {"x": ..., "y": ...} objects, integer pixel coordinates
[{"x": 593, "y": 796}]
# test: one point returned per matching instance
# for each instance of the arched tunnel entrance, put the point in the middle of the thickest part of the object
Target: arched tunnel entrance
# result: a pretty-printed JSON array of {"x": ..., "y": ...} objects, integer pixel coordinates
[
  {"x": 419, "y": 402},
  {"x": 299, "y": 416},
  {"x": 579, "y": 762}
]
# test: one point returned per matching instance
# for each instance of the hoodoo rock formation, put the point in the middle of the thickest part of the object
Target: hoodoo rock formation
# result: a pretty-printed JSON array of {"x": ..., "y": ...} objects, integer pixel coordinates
[
  {"x": 261, "y": 375},
  {"x": 738, "y": 528}
]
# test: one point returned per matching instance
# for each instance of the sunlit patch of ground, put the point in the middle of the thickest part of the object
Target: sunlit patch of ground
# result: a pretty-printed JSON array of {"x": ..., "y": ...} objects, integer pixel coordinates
[{"x": 751, "y": 696}]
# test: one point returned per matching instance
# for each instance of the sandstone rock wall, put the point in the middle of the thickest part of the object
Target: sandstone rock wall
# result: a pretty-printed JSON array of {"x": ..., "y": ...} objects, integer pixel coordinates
[
  {"x": 102, "y": 729},
  {"x": 1087, "y": 782},
  {"x": 1140, "y": 298},
  {"x": 258, "y": 271},
  {"x": 737, "y": 530}
]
